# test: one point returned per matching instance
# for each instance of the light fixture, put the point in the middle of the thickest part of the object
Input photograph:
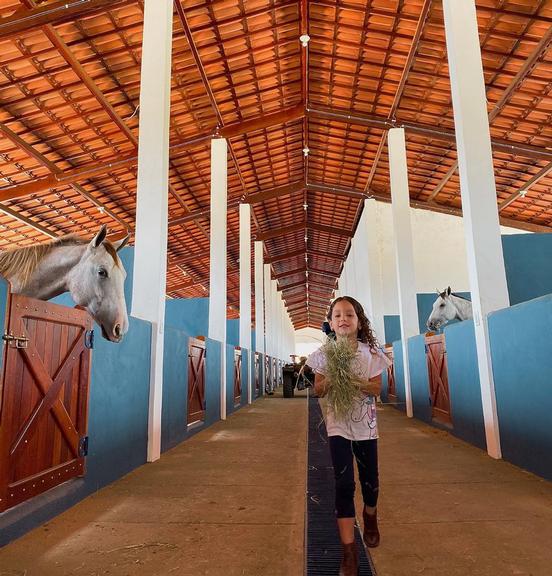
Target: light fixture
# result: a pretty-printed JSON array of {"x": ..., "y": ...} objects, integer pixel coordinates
[
  {"x": 305, "y": 206},
  {"x": 306, "y": 151},
  {"x": 304, "y": 39},
  {"x": 522, "y": 192}
]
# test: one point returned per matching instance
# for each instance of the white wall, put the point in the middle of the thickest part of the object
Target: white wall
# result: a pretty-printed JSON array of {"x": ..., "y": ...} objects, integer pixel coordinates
[
  {"x": 439, "y": 259},
  {"x": 307, "y": 340},
  {"x": 439, "y": 253}
]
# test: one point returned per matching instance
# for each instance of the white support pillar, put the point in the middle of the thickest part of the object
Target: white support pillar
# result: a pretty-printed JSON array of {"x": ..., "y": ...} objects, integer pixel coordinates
[
  {"x": 267, "y": 304},
  {"x": 274, "y": 317},
  {"x": 259, "y": 298},
  {"x": 367, "y": 268},
  {"x": 404, "y": 254},
  {"x": 245, "y": 288},
  {"x": 488, "y": 285},
  {"x": 259, "y": 309},
  {"x": 150, "y": 261},
  {"x": 217, "y": 266}
]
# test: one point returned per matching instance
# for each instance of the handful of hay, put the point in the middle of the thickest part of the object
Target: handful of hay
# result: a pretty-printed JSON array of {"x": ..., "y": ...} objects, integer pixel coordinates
[{"x": 343, "y": 387}]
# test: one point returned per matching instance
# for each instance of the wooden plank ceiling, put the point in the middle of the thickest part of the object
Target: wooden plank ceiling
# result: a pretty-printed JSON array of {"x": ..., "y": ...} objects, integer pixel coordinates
[{"x": 69, "y": 94}]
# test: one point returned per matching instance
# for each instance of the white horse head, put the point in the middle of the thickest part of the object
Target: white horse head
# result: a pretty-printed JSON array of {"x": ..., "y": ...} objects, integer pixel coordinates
[
  {"x": 447, "y": 307},
  {"x": 91, "y": 271},
  {"x": 97, "y": 284}
]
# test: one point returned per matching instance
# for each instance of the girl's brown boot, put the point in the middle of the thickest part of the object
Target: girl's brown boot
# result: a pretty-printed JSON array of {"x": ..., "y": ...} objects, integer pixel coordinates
[
  {"x": 349, "y": 562},
  {"x": 371, "y": 535}
]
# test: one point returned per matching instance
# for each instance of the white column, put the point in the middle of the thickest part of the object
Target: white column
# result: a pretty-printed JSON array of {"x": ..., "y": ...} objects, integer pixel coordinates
[
  {"x": 267, "y": 303},
  {"x": 245, "y": 288},
  {"x": 217, "y": 266},
  {"x": 367, "y": 268},
  {"x": 404, "y": 254},
  {"x": 259, "y": 298},
  {"x": 150, "y": 256},
  {"x": 488, "y": 286},
  {"x": 259, "y": 309},
  {"x": 274, "y": 317}
]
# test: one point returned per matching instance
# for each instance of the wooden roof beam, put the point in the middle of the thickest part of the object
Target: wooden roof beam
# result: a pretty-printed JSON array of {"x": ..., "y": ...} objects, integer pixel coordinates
[
  {"x": 54, "y": 13},
  {"x": 292, "y": 285},
  {"x": 400, "y": 89},
  {"x": 329, "y": 229},
  {"x": 285, "y": 256},
  {"x": 67, "y": 177},
  {"x": 336, "y": 190},
  {"x": 301, "y": 270},
  {"x": 275, "y": 232},
  {"x": 425, "y": 130},
  {"x": 277, "y": 192},
  {"x": 516, "y": 81}
]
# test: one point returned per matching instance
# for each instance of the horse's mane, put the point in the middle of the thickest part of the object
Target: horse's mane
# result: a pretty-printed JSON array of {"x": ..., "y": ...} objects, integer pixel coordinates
[{"x": 21, "y": 263}]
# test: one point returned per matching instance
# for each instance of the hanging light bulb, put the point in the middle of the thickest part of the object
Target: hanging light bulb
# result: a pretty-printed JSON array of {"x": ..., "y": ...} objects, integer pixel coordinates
[{"x": 304, "y": 39}]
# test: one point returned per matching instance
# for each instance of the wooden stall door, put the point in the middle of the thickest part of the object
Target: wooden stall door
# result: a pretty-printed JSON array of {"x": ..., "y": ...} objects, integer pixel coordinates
[
  {"x": 237, "y": 376},
  {"x": 391, "y": 386},
  {"x": 438, "y": 378},
  {"x": 257, "y": 374},
  {"x": 44, "y": 410},
  {"x": 196, "y": 381}
]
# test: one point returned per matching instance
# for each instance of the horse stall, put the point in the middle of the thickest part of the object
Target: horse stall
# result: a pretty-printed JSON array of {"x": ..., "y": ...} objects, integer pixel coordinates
[
  {"x": 193, "y": 371},
  {"x": 73, "y": 419}
]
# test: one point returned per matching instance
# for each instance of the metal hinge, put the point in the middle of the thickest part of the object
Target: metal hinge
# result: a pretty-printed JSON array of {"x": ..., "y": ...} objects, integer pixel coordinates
[
  {"x": 83, "y": 446},
  {"x": 15, "y": 341},
  {"x": 89, "y": 339}
]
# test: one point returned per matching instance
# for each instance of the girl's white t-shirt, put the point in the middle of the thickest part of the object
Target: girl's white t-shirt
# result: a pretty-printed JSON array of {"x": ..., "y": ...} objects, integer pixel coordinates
[{"x": 361, "y": 421}]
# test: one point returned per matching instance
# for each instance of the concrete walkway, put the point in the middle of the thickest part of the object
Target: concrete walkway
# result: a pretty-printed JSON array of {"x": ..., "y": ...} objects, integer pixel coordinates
[
  {"x": 230, "y": 502},
  {"x": 448, "y": 509}
]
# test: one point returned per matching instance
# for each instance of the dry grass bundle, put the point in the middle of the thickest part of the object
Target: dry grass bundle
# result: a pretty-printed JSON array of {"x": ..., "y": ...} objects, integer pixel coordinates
[{"x": 343, "y": 388}]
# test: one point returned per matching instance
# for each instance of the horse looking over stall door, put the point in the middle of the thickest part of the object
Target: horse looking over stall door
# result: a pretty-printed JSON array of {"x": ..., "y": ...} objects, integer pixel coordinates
[
  {"x": 447, "y": 307},
  {"x": 91, "y": 271}
]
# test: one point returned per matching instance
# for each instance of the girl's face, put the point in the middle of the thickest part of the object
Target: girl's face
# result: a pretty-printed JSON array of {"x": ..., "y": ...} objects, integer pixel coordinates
[{"x": 344, "y": 321}]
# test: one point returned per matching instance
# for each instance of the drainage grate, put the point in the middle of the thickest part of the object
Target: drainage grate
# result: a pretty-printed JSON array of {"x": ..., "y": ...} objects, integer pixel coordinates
[{"x": 323, "y": 546}]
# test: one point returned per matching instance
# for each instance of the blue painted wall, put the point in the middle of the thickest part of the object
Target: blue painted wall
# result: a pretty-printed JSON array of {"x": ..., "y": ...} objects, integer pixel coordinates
[
  {"x": 233, "y": 332},
  {"x": 175, "y": 388},
  {"x": 521, "y": 349},
  {"x": 399, "y": 375},
  {"x": 419, "y": 380},
  {"x": 119, "y": 399},
  {"x": 190, "y": 315},
  {"x": 528, "y": 265},
  {"x": 392, "y": 327},
  {"x": 465, "y": 392}
]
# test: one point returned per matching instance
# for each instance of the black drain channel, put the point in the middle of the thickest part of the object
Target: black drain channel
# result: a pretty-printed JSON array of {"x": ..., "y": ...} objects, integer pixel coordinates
[{"x": 323, "y": 545}]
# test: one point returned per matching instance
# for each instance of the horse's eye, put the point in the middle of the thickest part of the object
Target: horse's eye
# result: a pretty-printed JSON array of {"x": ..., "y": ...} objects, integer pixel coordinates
[
  {"x": 102, "y": 273},
  {"x": 442, "y": 306}
]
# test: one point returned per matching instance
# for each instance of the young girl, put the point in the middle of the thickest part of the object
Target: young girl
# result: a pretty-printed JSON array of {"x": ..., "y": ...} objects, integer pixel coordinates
[{"x": 355, "y": 433}]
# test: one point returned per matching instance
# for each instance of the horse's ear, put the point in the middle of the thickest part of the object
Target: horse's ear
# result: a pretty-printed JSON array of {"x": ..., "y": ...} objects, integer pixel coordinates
[
  {"x": 448, "y": 291},
  {"x": 100, "y": 237},
  {"x": 121, "y": 243}
]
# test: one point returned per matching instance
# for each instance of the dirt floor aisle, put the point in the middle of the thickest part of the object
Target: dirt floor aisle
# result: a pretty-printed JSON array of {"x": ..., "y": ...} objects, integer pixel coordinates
[
  {"x": 448, "y": 509},
  {"x": 228, "y": 502}
]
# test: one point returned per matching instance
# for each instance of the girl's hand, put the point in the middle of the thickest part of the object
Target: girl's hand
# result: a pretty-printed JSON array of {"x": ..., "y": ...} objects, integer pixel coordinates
[
  {"x": 320, "y": 387},
  {"x": 371, "y": 386}
]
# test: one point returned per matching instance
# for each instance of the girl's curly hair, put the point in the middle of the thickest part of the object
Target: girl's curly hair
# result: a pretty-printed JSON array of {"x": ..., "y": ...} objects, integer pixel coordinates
[{"x": 365, "y": 333}]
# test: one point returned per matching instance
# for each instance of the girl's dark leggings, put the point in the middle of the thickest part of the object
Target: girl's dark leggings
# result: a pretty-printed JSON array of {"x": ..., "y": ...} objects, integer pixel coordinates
[{"x": 366, "y": 454}]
